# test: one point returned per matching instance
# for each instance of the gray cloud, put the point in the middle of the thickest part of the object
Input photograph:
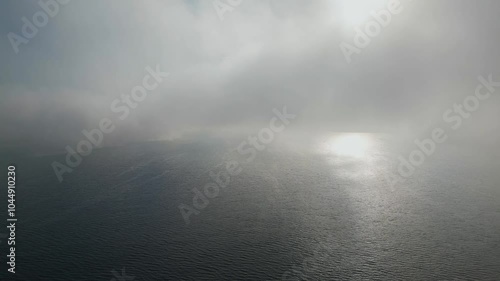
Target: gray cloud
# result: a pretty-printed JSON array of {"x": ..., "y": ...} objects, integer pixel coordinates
[{"x": 228, "y": 75}]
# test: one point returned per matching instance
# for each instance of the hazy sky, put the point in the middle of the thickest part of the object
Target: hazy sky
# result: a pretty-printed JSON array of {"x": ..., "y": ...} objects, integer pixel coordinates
[{"x": 229, "y": 74}]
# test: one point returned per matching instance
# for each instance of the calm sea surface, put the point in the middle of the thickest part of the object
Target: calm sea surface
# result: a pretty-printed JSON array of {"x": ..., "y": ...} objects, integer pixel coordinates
[{"x": 291, "y": 213}]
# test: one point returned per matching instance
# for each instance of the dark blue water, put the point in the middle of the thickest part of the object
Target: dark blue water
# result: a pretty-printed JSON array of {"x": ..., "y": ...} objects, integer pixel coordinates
[{"x": 299, "y": 215}]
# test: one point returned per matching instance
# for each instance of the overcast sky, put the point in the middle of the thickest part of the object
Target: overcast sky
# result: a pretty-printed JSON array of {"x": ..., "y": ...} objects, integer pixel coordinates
[{"x": 228, "y": 75}]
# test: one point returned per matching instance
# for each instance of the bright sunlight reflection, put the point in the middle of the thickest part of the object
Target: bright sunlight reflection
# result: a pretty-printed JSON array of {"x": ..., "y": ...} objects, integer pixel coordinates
[{"x": 352, "y": 145}]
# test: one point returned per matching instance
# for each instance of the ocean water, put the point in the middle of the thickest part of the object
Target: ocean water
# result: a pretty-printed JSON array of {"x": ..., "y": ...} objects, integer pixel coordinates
[{"x": 291, "y": 214}]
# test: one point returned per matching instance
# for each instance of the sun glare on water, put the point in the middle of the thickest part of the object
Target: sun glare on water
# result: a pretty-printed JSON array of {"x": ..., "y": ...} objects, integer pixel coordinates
[{"x": 350, "y": 145}]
